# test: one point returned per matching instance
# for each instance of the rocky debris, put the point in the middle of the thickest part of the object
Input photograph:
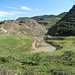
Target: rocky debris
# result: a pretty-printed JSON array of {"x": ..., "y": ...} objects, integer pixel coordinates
[
  {"x": 28, "y": 22},
  {"x": 3, "y": 31}
]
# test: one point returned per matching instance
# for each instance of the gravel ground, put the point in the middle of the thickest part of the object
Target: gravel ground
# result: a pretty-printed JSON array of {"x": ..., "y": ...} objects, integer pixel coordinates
[{"x": 46, "y": 49}]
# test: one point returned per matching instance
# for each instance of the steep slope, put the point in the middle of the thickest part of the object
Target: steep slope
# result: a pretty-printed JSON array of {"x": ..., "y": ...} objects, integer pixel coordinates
[
  {"x": 61, "y": 15},
  {"x": 26, "y": 26},
  {"x": 66, "y": 26}
]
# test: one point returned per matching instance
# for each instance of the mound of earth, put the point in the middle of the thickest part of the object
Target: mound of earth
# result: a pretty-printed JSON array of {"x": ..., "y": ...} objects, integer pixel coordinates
[{"x": 24, "y": 26}]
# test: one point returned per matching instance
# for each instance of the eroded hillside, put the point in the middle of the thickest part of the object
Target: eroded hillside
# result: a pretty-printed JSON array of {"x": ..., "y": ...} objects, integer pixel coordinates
[{"x": 26, "y": 27}]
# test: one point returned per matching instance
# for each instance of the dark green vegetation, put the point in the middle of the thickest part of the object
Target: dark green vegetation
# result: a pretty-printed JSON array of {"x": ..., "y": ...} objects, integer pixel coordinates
[
  {"x": 61, "y": 15},
  {"x": 66, "y": 26}
]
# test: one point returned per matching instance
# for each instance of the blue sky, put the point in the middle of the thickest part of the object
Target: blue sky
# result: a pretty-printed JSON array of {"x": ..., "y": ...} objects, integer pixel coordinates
[{"x": 12, "y": 9}]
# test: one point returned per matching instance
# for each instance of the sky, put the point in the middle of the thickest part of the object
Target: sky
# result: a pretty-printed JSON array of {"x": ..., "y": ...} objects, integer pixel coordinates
[{"x": 13, "y": 9}]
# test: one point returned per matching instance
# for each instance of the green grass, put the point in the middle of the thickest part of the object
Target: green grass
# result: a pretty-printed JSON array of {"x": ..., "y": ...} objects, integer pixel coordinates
[
  {"x": 14, "y": 58},
  {"x": 14, "y": 43},
  {"x": 68, "y": 44}
]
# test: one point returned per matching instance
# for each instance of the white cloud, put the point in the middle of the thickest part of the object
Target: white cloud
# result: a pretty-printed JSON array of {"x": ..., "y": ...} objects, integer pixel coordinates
[
  {"x": 4, "y": 13},
  {"x": 11, "y": 13},
  {"x": 10, "y": 7},
  {"x": 25, "y": 8},
  {"x": 18, "y": 12}
]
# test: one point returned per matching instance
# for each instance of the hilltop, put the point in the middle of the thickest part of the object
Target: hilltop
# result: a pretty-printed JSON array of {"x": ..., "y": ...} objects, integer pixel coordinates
[{"x": 25, "y": 26}]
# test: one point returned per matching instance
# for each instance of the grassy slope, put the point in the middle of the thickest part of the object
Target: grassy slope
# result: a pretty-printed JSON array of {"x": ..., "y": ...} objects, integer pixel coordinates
[
  {"x": 15, "y": 60},
  {"x": 51, "y": 21},
  {"x": 14, "y": 43}
]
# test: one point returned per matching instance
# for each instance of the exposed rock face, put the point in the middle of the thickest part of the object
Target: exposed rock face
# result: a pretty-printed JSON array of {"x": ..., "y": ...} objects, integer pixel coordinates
[
  {"x": 32, "y": 27},
  {"x": 23, "y": 26},
  {"x": 3, "y": 31}
]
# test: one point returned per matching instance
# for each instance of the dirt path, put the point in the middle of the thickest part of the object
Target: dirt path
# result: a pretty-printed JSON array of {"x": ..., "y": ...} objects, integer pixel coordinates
[{"x": 47, "y": 48}]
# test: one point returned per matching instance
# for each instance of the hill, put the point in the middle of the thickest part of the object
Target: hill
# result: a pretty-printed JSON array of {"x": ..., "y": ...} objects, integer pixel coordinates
[
  {"x": 49, "y": 16},
  {"x": 49, "y": 20},
  {"x": 61, "y": 15},
  {"x": 25, "y": 26},
  {"x": 66, "y": 26},
  {"x": 46, "y": 20},
  {"x": 42, "y": 17}
]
